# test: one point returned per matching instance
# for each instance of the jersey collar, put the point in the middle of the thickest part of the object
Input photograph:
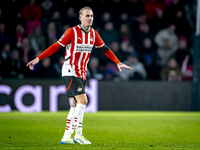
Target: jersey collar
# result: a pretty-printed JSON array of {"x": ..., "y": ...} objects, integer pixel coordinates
[{"x": 83, "y": 30}]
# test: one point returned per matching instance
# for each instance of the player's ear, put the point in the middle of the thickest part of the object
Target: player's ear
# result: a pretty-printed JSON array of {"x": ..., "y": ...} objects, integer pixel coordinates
[{"x": 80, "y": 17}]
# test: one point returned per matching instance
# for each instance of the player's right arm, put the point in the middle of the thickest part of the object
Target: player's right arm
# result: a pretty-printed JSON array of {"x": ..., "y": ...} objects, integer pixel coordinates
[
  {"x": 64, "y": 40},
  {"x": 49, "y": 51}
]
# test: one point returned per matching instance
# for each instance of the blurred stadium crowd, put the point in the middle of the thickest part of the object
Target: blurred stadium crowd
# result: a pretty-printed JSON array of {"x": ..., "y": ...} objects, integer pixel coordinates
[{"x": 154, "y": 37}]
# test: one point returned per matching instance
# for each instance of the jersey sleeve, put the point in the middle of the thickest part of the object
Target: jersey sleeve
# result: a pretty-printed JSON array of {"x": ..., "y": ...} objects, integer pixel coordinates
[
  {"x": 50, "y": 50},
  {"x": 99, "y": 43},
  {"x": 66, "y": 37}
]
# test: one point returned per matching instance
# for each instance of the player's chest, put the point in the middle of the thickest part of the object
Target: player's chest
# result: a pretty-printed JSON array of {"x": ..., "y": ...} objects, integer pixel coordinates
[{"x": 84, "y": 38}]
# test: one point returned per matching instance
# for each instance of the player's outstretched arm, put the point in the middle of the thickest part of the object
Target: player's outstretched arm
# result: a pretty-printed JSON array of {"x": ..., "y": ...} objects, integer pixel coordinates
[
  {"x": 112, "y": 57},
  {"x": 121, "y": 65},
  {"x": 32, "y": 63},
  {"x": 49, "y": 51}
]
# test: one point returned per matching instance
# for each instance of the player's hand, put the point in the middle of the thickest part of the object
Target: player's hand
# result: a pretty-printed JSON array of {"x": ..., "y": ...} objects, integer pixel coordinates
[
  {"x": 121, "y": 65},
  {"x": 32, "y": 63}
]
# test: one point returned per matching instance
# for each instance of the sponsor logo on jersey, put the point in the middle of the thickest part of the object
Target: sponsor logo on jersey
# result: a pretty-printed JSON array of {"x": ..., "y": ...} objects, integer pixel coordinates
[{"x": 83, "y": 48}]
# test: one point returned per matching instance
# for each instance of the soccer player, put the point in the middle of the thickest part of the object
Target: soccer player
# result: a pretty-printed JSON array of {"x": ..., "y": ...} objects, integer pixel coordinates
[{"x": 78, "y": 41}]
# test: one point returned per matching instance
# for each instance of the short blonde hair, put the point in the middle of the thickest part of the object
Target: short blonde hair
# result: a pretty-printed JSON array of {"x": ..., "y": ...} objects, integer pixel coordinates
[{"x": 84, "y": 8}]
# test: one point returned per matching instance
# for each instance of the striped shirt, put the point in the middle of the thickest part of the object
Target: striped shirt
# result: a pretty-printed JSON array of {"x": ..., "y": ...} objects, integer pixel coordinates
[{"x": 78, "y": 45}]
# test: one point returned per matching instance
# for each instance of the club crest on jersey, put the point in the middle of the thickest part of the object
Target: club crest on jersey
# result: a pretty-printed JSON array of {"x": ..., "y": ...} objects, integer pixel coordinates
[
  {"x": 79, "y": 89},
  {"x": 92, "y": 40}
]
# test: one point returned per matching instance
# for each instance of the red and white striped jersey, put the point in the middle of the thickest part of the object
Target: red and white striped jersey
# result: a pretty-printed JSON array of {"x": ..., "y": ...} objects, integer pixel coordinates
[{"x": 78, "y": 45}]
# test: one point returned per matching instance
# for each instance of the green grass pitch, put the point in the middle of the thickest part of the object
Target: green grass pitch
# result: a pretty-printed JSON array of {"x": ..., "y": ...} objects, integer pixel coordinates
[{"x": 105, "y": 129}]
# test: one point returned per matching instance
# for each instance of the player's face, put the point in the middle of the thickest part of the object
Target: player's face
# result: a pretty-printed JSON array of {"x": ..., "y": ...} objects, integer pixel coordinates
[{"x": 86, "y": 18}]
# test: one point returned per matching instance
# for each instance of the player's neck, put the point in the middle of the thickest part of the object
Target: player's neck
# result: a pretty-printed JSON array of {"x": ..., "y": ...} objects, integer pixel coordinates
[{"x": 85, "y": 28}]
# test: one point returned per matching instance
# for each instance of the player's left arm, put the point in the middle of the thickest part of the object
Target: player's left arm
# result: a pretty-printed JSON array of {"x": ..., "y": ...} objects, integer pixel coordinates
[
  {"x": 112, "y": 57},
  {"x": 99, "y": 43}
]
